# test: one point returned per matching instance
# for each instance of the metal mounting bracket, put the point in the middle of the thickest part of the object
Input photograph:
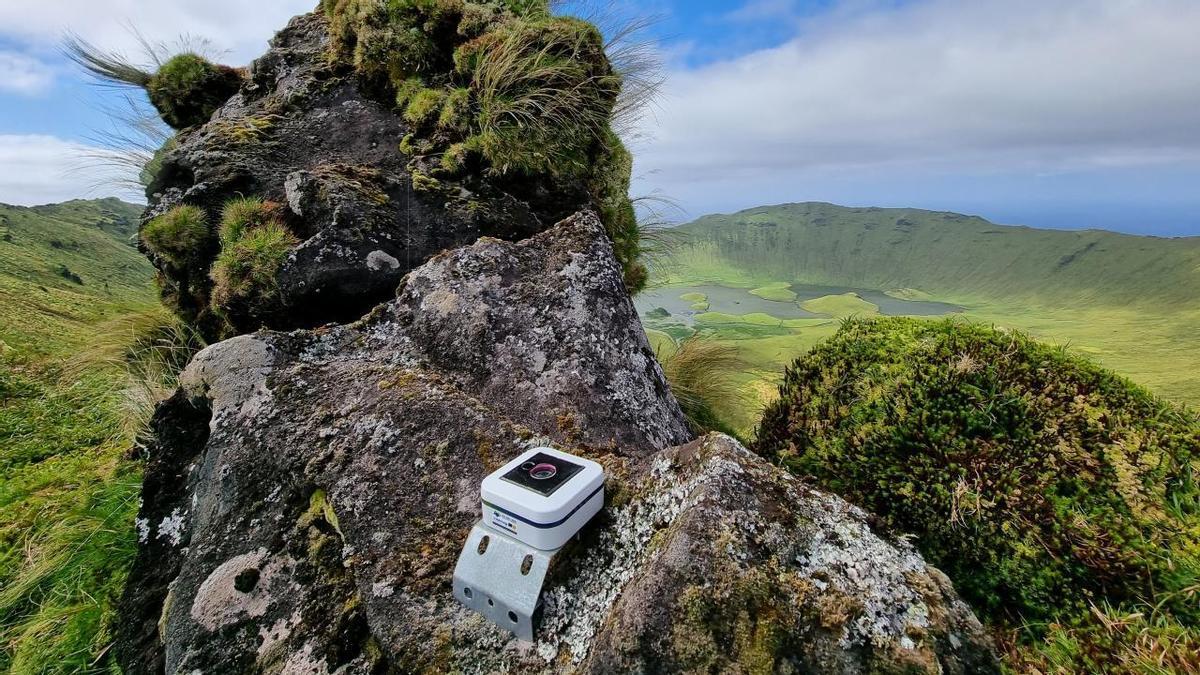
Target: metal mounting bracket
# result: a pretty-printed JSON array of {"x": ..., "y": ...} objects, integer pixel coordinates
[{"x": 501, "y": 578}]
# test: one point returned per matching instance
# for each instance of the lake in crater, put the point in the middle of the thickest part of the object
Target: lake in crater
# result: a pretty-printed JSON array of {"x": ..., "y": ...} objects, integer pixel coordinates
[{"x": 740, "y": 301}]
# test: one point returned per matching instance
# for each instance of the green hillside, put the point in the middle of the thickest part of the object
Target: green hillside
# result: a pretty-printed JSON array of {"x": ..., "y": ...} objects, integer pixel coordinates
[
  {"x": 74, "y": 295},
  {"x": 65, "y": 266},
  {"x": 1132, "y": 303},
  {"x": 951, "y": 256}
]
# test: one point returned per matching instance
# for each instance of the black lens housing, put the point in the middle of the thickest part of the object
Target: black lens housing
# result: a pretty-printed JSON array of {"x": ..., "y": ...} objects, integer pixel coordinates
[{"x": 542, "y": 473}]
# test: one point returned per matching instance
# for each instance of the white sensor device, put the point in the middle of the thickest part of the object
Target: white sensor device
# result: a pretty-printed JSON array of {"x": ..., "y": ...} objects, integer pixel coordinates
[{"x": 543, "y": 497}]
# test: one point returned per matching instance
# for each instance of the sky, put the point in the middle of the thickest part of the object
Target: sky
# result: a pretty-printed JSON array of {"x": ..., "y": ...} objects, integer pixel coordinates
[{"x": 1050, "y": 113}]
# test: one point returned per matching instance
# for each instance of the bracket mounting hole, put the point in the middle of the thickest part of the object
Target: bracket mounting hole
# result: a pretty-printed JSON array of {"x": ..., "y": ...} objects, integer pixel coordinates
[
  {"x": 483, "y": 544},
  {"x": 490, "y": 603},
  {"x": 512, "y": 616},
  {"x": 467, "y": 592},
  {"x": 526, "y": 564}
]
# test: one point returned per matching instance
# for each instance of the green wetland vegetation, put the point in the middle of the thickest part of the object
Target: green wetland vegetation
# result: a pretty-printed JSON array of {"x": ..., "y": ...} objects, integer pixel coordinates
[{"x": 1016, "y": 401}]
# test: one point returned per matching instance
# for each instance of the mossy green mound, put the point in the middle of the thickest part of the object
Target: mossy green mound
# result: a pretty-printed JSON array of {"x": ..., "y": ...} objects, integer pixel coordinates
[
  {"x": 779, "y": 291},
  {"x": 502, "y": 89},
  {"x": 1040, "y": 482},
  {"x": 699, "y": 301},
  {"x": 843, "y": 305},
  {"x": 179, "y": 235},
  {"x": 187, "y": 89}
]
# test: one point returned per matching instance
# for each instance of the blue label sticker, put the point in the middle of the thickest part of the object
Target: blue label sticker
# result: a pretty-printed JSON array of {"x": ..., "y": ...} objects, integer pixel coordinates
[{"x": 502, "y": 521}]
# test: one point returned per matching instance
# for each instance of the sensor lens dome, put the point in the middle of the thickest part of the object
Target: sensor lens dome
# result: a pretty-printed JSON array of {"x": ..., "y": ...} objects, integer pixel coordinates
[{"x": 543, "y": 471}]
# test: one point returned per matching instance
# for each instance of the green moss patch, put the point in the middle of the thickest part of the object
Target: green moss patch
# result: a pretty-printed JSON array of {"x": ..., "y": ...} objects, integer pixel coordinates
[
  {"x": 1040, "y": 482},
  {"x": 699, "y": 301},
  {"x": 423, "y": 105},
  {"x": 505, "y": 89},
  {"x": 739, "y": 624},
  {"x": 179, "y": 235},
  {"x": 187, "y": 89},
  {"x": 846, "y": 304}
]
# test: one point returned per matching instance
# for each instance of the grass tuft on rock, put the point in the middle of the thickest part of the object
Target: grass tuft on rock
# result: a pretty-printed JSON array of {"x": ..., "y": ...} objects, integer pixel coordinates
[
  {"x": 699, "y": 371},
  {"x": 246, "y": 271},
  {"x": 545, "y": 94},
  {"x": 187, "y": 89},
  {"x": 504, "y": 89},
  {"x": 1044, "y": 485},
  {"x": 245, "y": 213},
  {"x": 179, "y": 235}
]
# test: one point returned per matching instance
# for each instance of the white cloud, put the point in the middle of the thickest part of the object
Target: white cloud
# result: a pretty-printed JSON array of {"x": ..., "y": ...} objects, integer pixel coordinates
[
  {"x": 238, "y": 29},
  {"x": 38, "y": 169},
  {"x": 21, "y": 74},
  {"x": 938, "y": 85}
]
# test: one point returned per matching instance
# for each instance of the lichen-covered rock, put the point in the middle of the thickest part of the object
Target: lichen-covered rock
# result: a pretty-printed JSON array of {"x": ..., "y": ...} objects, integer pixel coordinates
[
  {"x": 720, "y": 563},
  {"x": 308, "y": 492}
]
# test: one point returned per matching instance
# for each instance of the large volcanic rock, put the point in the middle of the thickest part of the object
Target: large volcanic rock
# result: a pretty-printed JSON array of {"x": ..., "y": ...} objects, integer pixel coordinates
[
  {"x": 304, "y": 133},
  {"x": 307, "y": 494}
]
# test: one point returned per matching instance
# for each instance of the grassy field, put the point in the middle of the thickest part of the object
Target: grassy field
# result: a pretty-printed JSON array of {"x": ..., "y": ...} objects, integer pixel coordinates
[
  {"x": 68, "y": 274},
  {"x": 1130, "y": 303}
]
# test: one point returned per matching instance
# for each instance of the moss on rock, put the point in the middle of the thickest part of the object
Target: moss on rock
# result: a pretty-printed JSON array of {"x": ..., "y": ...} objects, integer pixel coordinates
[
  {"x": 515, "y": 136},
  {"x": 179, "y": 235},
  {"x": 149, "y": 171},
  {"x": 254, "y": 245},
  {"x": 1042, "y": 483},
  {"x": 423, "y": 106},
  {"x": 187, "y": 89},
  {"x": 735, "y": 623},
  {"x": 610, "y": 184},
  {"x": 504, "y": 90}
]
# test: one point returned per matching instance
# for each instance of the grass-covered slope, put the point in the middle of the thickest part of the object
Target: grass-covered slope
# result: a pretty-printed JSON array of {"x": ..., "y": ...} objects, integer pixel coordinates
[
  {"x": 1043, "y": 484},
  {"x": 951, "y": 256},
  {"x": 1132, "y": 303},
  {"x": 67, "y": 494},
  {"x": 64, "y": 266}
]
